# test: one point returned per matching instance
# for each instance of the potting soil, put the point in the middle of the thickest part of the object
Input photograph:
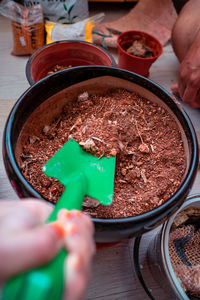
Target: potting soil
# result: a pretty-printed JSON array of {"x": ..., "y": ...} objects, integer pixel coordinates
[
  {"x": 150, "y": 156},
  {"x": 58, "y": 68},
  {"x": 138, "y": 48}
]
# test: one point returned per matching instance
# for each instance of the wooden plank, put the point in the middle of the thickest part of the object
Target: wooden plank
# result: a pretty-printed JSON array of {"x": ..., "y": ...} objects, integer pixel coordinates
[
  {"x": 12, "y": 71},
  {"x": 6, "y": 190}
]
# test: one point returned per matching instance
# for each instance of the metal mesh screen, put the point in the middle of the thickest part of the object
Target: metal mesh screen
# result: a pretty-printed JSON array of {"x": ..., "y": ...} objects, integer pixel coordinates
[{"x": 184, "y": 250}]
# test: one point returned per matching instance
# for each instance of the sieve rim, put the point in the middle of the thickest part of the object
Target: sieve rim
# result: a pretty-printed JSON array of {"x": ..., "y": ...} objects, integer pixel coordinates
[{"x": 169, "y": 271}]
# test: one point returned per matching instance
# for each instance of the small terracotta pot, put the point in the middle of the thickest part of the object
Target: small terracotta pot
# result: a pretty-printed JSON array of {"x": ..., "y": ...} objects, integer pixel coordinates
[
  {"x": 133, "y": 63},
  {"x": 65, "y": 53}
]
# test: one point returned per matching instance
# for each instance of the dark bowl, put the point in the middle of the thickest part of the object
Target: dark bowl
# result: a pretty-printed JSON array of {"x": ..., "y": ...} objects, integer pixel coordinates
[
  {"x": 65, "y": 53},
  {"x": 42, "y": 102}
]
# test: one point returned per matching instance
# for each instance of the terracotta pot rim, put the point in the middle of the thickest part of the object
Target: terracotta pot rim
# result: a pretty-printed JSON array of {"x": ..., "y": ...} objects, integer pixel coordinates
[
  {"x": 137, "y": 57},
  {"x": 53, "y": 44}
]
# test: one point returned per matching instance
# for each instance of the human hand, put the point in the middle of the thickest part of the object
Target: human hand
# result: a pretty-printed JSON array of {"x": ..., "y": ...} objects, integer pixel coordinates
[
  {"x": 26, "y": 242},
  {"x": 188, "y": 87},
  {"x": 193, "y": 102},
  {"x": 78, "y": 241}
]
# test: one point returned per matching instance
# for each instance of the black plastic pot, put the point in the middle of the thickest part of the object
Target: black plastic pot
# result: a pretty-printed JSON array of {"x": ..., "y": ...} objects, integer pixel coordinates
[{"x": 43, "y": 102}]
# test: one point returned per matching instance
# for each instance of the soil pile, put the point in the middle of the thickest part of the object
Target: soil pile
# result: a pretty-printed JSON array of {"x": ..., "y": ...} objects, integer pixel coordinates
[
  {"x": 138, "y": 48},
  {"x": 58, "y": 68},
  {"x": 150, "y": 161}
]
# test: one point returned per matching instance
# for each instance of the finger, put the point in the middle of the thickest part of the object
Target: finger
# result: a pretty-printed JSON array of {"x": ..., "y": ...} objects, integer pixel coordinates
[
  {"x": 15, "y": 221},
  {"x": 189, "y": 95},
  {"x": 80, "y": 245},
  {"x": 81, "y": 248},
  {"x": 79, "y": 241},
  {"x": 23, "y": 215},
  {"x": 181, "y": 86},
  {"x": 79, "y": 233},
  {"x": 29, "y": 249},
  {"x": 195, "y": 104},
  {"x": 77, "y": 275},
  {"x": 65, "y": 215},
  {"x": 40, "y": 208},
  {"x": 174, "y": 89},
  {"x": 7, "y": 206}
]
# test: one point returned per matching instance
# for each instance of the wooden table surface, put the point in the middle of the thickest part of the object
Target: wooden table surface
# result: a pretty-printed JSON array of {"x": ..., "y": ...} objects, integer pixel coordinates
[{"x": 113, "y": 274}]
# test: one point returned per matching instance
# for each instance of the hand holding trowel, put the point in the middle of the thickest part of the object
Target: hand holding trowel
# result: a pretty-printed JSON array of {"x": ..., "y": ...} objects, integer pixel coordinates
[{"x": 82, "y": 174}]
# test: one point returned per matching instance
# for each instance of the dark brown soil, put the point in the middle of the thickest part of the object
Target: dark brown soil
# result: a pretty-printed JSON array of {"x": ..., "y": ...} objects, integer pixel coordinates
[
  {"x": 138, "y": 48},
  {"x": 150, "y": 160},
  {"x": 58, "y": 68}
]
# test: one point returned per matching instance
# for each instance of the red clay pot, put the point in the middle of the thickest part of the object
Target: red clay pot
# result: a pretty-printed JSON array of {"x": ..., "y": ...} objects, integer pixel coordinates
[
  {"x": 65, "y": 53},
  {"x": 134, "y": 63}
]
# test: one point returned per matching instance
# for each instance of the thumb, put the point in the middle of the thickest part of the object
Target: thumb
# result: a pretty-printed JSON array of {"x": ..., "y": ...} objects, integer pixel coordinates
[{"x": 29, "y": 249}]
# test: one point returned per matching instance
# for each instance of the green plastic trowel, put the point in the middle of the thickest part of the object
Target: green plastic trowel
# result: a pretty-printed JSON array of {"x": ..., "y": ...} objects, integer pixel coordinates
[{"x": 82, "y": 174}]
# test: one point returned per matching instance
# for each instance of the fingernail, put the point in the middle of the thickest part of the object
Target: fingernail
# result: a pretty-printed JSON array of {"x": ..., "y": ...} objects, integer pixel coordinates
[
  {"x": 76, "y": 213},
  {"x": 76, "y": 262},
  {"x": 58, "y": 229},
  {"x": 64, "y": 214},
  {"x": 70, "y": 229},
  {"x": 73, "y": 266}
]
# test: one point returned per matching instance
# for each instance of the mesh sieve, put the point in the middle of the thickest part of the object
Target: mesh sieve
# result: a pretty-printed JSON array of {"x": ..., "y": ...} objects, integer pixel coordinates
[{"x": 184, "y": 250}]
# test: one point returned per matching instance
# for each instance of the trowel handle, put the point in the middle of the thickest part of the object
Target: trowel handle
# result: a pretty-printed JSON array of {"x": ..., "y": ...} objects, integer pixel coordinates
[
  {"x": 72, "y": 197},
  {"x": 47, "y": 282}
]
